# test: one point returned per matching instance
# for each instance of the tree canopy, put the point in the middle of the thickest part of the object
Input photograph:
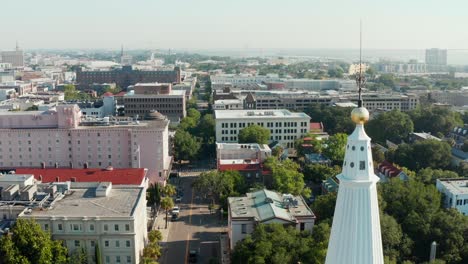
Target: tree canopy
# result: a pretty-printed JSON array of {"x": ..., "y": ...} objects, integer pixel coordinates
[
  {"x": 28, "y": 243},
  {"x": 335, "y": 147},
  {"x": 276, "y": 244},
  {"x": 286, "y": 177},
  {"x": 436, "y": 120},
  {"x": 422, "y": 154},
  {"x": 394, "y": 126},
  {"x": 334, "y": 119},
  {"x": 186, "y": 146},
  {"x": 318, "y": 172},
  {"x": 254, "y": 134},
  {"x": 220, "y": 185}
]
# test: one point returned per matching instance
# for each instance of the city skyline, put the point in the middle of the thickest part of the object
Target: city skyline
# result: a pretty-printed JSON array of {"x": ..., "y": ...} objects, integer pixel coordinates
[{"x": 233, "y": 25}]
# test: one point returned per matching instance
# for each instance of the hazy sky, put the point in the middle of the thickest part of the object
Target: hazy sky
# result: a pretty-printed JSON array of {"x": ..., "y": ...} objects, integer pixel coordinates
[{"x": 239, "y": 24}]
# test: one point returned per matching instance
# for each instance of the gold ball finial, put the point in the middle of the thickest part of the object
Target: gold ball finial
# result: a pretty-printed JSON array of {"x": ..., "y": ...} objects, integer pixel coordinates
[{"x": 360, "y": 115}]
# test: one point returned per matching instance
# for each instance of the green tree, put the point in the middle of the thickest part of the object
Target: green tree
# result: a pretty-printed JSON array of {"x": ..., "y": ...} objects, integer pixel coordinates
[
  {"x": 392, "y": 236},
  {"x": 72, "y": 94},
  {"x": 388, "y": 80},
  {"x": 399, "y": 122},
  {"x": 152, "y": 251},
  {"x": 28, "y": 243},
  {"x": 319, "y": 172},
  {"x": 286, "y": 177},
  {"x": 429, "y": 175},
  {"x": 334, "y": 119},
  {"x": 276, "y": 244},
  {"x": 169, "y": 190},
  {"x": 324, "y": 206},
  {"x": 435, "y": 119},
  {"x": 219, "y": 185},
  {"x": 465, "y": 145},
  {"x": 79, "y": 256},
  {"x": 254, "y": 134},
  {"x": 154, "y": 195},
  {"x": 186, "y": 146},
  {"x": 335, "y": 147},
  {"x": 167, "y": 204},
  {"x": 423, "y": 154},
  {"x": 97, "y": 254}
]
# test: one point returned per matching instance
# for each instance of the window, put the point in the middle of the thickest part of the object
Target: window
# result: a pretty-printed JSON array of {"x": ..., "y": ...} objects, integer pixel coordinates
[
  {"x": 244, "y": 229},
  {"x": 351, "y": 164},
  {"x": 46, "y": 227},
  {"x": 116, "y": 227},
  {"x": 93, "y": 243},
  {"x": 106, "y": 243},
  {"x": 77, "y": 243},
  {"x": 106, "y": 227},
  {"x": 117, "y": 243},
  {"x": 127, "y": 243},
  {"x": 127, "y": 227},
  {"x": 117, "y": 259},
  {"x": 362, "y": 165},
  {"x": 107, "y": 259},
  {"x": 91, "y": 227},
  {"x": 302, "y": 226},
  {"x": 129, "y": 259},
  {"x": 75, "y": 227}
]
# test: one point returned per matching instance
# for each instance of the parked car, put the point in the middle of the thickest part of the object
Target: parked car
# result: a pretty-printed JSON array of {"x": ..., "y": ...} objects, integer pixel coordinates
[
  {"x": 178, "y": 199},
  {"x": 174, "y": 217},
  {"x": 175, "y": 210},
  {"x": 193, "y": 256}
]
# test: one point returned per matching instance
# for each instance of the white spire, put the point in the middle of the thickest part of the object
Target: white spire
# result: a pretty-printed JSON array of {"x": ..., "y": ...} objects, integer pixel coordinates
[{"x": 355, "y": 235}]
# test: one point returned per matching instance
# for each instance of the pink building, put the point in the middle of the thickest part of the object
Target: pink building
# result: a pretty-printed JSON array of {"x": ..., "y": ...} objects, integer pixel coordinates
[{"x": 62, "y": 138}]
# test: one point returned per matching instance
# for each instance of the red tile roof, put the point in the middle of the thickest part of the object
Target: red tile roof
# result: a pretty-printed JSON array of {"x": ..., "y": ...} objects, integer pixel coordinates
[
  {"x": 122, "y": 93},
  {"x": 316, "y": 126},
  {"x": 131, "y": 176},
  {"x": 107, "y": 94},
  {"x": 388, "y": 169}
]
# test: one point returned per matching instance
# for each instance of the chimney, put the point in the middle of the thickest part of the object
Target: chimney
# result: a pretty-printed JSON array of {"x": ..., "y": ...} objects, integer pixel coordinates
[
  {"x": 57, "y": 179},
  {"x": 71, "y": 165},
  {"x": 56, "y": 165},
  {"x": 85, "y": 165},
  {"x": 42, "y": 165}
]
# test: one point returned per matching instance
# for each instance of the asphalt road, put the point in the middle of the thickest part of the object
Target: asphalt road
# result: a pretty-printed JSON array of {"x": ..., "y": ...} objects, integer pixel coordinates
[{"x": 196, "y": 229}]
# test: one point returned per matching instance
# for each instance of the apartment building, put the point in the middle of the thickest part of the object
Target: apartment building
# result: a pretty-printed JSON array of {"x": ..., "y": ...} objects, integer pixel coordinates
[
  {"x": 61, "y": 137},
  {"x": 144, "y": 98},
  {"x": 455, "y": 193},
  {"x": 87, "y": 215},
  {"x": 285, "y": 126}
]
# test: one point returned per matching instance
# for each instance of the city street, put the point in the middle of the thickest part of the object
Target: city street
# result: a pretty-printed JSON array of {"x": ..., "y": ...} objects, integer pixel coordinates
[{"x": 196, "y": 229}]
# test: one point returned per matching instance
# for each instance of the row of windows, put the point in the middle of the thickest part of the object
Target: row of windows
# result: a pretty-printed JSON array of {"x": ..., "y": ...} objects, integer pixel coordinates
[
  {"x": 79, "y": 227},
  {"x": 150, "y": 100},
  {"x": 118, "y": 259},
  {"x": 268, "y": 124},
  {"x": 462, "y": 202},
  {"x": 155, "y": 106},
  {"x": 228, "y": 138}
]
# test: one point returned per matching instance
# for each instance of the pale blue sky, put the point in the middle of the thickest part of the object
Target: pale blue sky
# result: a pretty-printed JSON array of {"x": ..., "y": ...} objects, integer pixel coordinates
[{"x": 208, "y": 24}]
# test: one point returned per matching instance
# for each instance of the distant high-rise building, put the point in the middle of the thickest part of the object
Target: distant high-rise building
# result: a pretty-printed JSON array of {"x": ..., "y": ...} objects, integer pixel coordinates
[
  {"x": 436, "y": 56},
  {"x": 15, "y": 57}
]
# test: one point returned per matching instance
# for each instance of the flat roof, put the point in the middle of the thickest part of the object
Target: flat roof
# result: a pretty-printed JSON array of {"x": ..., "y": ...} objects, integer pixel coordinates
[
  {"x": 239, "y": 114},
  {"x": 264, "y": 205},
  {"x": 120, "y": 202},
  {"x": 15, "y": 177},
  {"x": 130, "y": 176},
  {"x": 455, "y": 186}
]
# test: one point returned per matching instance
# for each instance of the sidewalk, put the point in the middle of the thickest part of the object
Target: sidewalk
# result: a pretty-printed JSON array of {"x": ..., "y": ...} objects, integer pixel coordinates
[{"x": 159, "y": 224}]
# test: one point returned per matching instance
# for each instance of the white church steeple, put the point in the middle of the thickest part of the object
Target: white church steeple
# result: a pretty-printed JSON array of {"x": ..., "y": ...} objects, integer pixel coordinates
[{"x": 355, "y": 236}]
